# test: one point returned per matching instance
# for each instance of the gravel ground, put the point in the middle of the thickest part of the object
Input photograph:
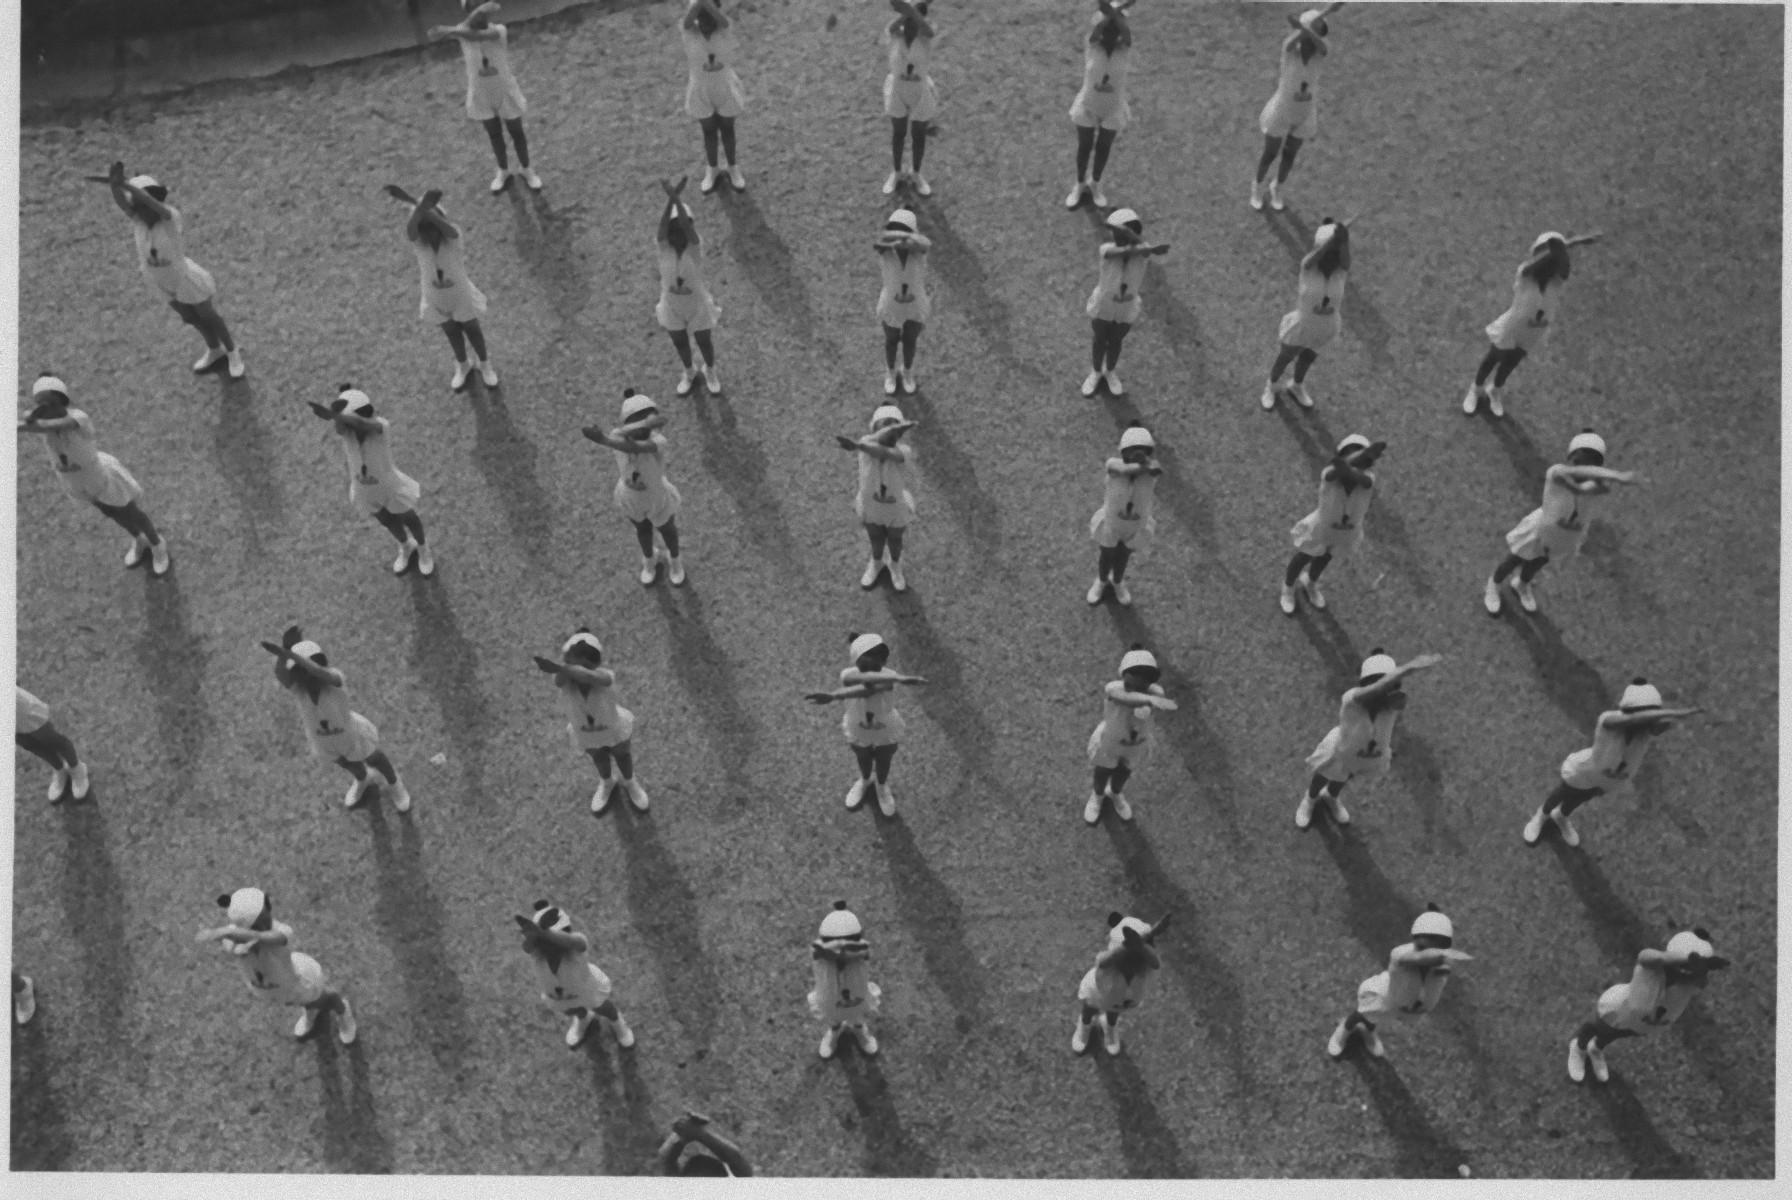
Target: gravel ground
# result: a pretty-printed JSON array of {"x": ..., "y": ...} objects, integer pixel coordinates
[{"x": 1459, "y": 131}]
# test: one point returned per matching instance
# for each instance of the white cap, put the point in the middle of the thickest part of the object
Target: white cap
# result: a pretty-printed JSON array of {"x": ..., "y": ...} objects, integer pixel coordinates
[
  {"x": 1587, "y": 440},
  {"x": 583, "y": 637},
  {"x": 145, "y": 182},
  {"x": 1433, "y": 923},
  {"x": 307, "y": 649},
  {"x": 1377, "y": 664},
  {"x": 1137, "y": 435},
  {"x": 633, "y": 406},
  {"x": 356, "y": 401},
  {"x": 48, "y": 383},
  {"x": 1543, "y": 239},
  {"x": 1688, "y": 942},
  {"x": 1121, "y": 216},
  {"x": 886, "y": 414},
  {"x": 1309, "y": 18},
  {"x": 1355, "y": 441},
  {"x": 1117, "y": 931},
  {"x": 1639, "y": 695},
  {"x": 1325, "y": 233},
  {"x": 841, "y": 923},
  {"x": 864, "y": 644},
  {"x": 905, "y": 218},
  {"x": 1137, "y": 659},
  {"x": 246, "y": 905},
  {"x": 549, "y": 917}
]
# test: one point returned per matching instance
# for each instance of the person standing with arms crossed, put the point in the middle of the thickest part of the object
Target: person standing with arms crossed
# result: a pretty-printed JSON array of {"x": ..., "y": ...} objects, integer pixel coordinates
[
  {"x": 264, "y": 952},
  {"x": 910, "y": 99},
  {"x": 1410, "y": 987},
  {"x": 714, "y": 96},
  {"x": 885, "y": 501},
  {"x": 1121, "y": 743},
  {"x": 494, "y": 98},
  {"x": 376, "y": 487},
  {"x": 334, "y": 731},
  {"x": 843, "y": 996},
  {"x": 1125, "y": 524},
  {"x": 1117, "y": 981},
  {"x": 1100, "y": 110},
  {"x": 600, "y": 727},
  {"x": 1360, "y": 745},
  {"x": 646, "y": 497},
  {"x": 1292, "y": 114},
  {"x": 1662, "y": 984},
  {"x": 903, "y": 305},
  {"x": 1114, "y": 306},
  {"x": 1334, "y": 529}
]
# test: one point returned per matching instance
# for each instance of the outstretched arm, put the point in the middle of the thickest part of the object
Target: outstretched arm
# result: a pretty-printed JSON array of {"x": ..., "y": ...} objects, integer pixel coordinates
[
  {"x": 46, "y": 424},
  {"x": 908, "y": 10},
  {"x": 1385, "y": 684},
  {"x": 329, "y": 675}
]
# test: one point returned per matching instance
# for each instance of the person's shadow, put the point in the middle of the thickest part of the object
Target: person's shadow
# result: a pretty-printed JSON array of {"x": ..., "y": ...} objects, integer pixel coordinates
[
  {"x": 955, "y": 264},
  {"x": 943, "y": 462},
  {"x": 935, "y": 918},
  {"x": 247, "y": 460},
  {"x": 739, "y": 465},
  {"x": 889, "y": 1149},
  {"x": 449, "y": 666},
  {"x": 707, "y": 673},
  {"x": 409, "y": 918},
  {"x": 354, "y": 1144},
  {"x": 664, "y": 912},
  {"x": 766, "y": 260},
  {"x": 1150, "y": 1147},
  {"x": 507, "y": 461},
  {"x": 1422, "y": 1150},
  {"x": 625, "y": 1110},
  {"x": 173, "y": 658}
]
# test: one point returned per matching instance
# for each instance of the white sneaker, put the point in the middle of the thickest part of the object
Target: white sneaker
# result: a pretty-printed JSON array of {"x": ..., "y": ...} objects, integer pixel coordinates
[
  {"x": 921, "y": 184},
  {"x": 1079, "y": 1041},
  {"x": 346, "y": 1027},
  {"x": 886, "y": 798},
  {"x": 1303, "y": 813},
  {"x": 867, "y": 1042},
  {"x": 906, "y": 378},
  {"x": 600, "y": 799},
  {"x": 234, "y": 364},
  {"x": 1490, "y": 598},
  {"x": 1527, "y": 599},
  {"x": 1301, "y": 396},
  {"x": 650, "y": 569},
  {"x": 637, "y": 795},
  {"x": 1092, "y": 810},
  {"x": 1115, "y": 387},
  {"x": 686, "y": 382},
  {"x": 306, "y": 1023},
  {"x": 488, "y": 374},
  {"x": 158, "y": 558},
  {"x": 1095, "y": 193},
  {"x": 402, "y": 563},
  {"x": 78, "y": 781},
  {"x": 739, "y": 181},
  {"x": 1257, "y": 194},
  {"x": 500, "y": 180},
  {"x": 1340, "y": 814},
  {"x": 1275, "y": 195},
  {"x": 24, "y": 1001},
  {"x": 855, "y": 795},
  {"x": 896, "y": 579},
  {"x": 1596, "y": 1059},
  {"x": 1122, "y": 594},
  {"x": 1110, "y": 1036},
  {"x": 134, "y": 556},
  {"x": 426, "y": 561},
  {"x": 1315, "y": 597},
  {"x": 828, "y": 1041},
  {"x": 531, "y": 178},
  {"x": 212, "y": 356},
  {"x": 357, "y": 790},
  {"x": 1122, "y": 809},
  {"x": 1533, "y": 828},
  {"x": 1268, "y": 398},
  {"x": 712, "y": 382},
  {"x": 575, "y": 1033},
  {"x": 1339, "y": 1040},
  {"x": 896, "y": 178},
  {"x": 401, "y": 795},
  {"x": 1577, "y": 1060},
  {"x": 890, "y": 382},
  {"x": 1493, "y": 402},
  {"x": 1095, "y": 591},
  {"x": 1287, "y": 600},
  {"x": 59, "y": 786},
  {"x": 1091, "y": 383},
  {"x": 625, "y": 1037},
  {"x": 1566, "y": 828},
  {"x": 1372, "y": 1043},
  {"x": 709, "y": 181},
  {"x": 461, "y": 371},
  {"x": 675, "y": 570},
  {"x": 1072, "y": 201},
  {"x": 1472, "y": 400},
  {"x": 872, "y": 570}
]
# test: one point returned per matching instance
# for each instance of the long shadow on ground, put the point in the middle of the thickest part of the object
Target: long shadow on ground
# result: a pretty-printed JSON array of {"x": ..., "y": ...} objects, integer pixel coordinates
[
  {"x": 889, "y": 1150},
  {"x": 944, "y": 462},
  {"x": 1571, "y": 684},
  {"x": 1361, "y": 317},
  {"x": 94, "y": 901},
  {"x": 507, "y": 461},
  {"x": 354, "y": 1144},
  {"x": 1654, "y": 1157},
  {"x": 1150, "y": 1147},
  {"x": 1422, "y": 1150},
  {"x": 665, "y": 915},
  {"x": 409, "y": 918},
  {"x": 1179, "y": 497},
  {"x": 449, "y": 666},
  {"x": 547, "y": 242},
  {"x": 771, "y": 268},
  {"x": 956, "y": 265},
  {"x": 173, "y": 658},
  {"x": 625, "y": 1109},
  {"x": 934, "y": 917},
  {"x": 739, "y": 465},
  {"x": 707, "y": 676},
  {"x": 41, "y": 1137},
  {"x": 247, "y": 460},
  {"x": 1202, "y": 750},
  {"x": 1196, "y": 964}
]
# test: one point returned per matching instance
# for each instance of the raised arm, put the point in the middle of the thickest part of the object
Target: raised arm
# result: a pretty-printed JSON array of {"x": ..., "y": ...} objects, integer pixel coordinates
[
  {"x": 1621, "y": 720},
  {"x": 855, "y": 677},
  {"x": 1589, "y": 474},
  {"x": 47, "y": 424},
  {"x": 329, "y": 675},
  {"x": 1122, "y": 469},
  {"x": 904, "y": 8},
  {"x": 1155, "y": 698},
  {"x": 1385, "y": 684},
  {"x": 690, "y": 21}
]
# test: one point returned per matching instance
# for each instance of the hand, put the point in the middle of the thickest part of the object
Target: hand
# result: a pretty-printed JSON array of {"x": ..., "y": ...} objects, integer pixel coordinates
[
  {"x": 552, "y": 668},
  {"x": 846, "y": 443},
  {"x": 1424, "y": 662},
  {"x": 321, "y": 410},
  {"x": 115, "y": 173},
  {"x": 916, "y": 679},
  {"x": 280, "y": 652},
  {"x": 432, "y": 198},
  {"x": 398, "y": 193},
  {"x": 818, "y": 697},
  {"x": 594, "y": 432}
]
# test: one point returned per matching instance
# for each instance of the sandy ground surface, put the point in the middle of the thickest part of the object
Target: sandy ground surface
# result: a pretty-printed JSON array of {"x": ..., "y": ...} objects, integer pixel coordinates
[{"x": 1459, "y": 132}]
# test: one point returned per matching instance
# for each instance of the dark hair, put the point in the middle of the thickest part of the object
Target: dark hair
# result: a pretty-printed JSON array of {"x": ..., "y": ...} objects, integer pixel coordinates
[
  {"x": 585, "y": 652},
  {"x": 1700, "y": 930},
  {"x": 704, "y": 1165},
  {"x": 157, "y": 191},
  {"x": 839, "y": 906},
  {"x": 1308, "y": 47},
  {"x": 1334, "y": 256},
  {"x": 1106, "y": 33},
  {"x": 1551, "y": 268},
  {"x": 706, "y": 23}
]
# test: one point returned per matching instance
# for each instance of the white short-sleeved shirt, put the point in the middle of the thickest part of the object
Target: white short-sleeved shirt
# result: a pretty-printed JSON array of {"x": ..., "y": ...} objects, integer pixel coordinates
[{"x": 33, "y": 714}]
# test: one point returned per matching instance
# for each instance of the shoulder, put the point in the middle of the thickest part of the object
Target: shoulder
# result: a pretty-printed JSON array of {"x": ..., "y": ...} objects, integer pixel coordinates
[{"x": 1114, "y": 687}]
